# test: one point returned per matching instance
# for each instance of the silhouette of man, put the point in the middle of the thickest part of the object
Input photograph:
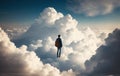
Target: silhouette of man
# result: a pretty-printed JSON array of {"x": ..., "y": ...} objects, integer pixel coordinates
[{"x": 58, "y": 44}]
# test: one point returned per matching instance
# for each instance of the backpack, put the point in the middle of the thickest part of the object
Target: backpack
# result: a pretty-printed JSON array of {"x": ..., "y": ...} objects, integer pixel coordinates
[{"x": 57, "y": 43}]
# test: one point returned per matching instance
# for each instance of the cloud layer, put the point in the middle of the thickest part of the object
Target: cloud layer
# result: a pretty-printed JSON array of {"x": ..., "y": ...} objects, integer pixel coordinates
[
  {"x": 78, "y": 44},
  {"x": 21, "y": 62},
  {"x": 93, "y": 7},
  {"x": 14, "y": 31},
  {"x": 81, "y": 54}
]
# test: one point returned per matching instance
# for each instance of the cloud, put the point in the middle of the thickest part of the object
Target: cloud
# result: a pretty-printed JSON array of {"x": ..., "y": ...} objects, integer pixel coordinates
[
  {"x": 93, "y": 7},
  {"x": 78, "y": 44},
  {"x": 35, "y": 45},
  {"x": 106, "y": 61},
  {"x": 49, "y": 16},
  {"x": 14, "y": 31},
  {"x": 21, "y": 62}
]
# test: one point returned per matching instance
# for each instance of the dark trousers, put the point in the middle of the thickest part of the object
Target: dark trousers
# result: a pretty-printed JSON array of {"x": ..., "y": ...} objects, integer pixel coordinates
[{"x": 59, "y": 52}]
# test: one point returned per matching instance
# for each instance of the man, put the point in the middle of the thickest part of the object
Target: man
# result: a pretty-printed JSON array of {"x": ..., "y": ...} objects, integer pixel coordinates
[{"x": 58, "y": 44}]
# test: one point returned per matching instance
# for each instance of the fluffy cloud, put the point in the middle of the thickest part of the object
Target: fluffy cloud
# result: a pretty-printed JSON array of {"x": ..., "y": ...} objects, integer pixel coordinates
[
  {"x": 93, "y": 7},
  {"x": 49, "y": 16},
  {"x": 14, "y": 31},
  {"x": 106, "y": 61},
  {"x": 78, "y": 44},
  {"x": 35, "y": 45},
  {"x": 20, "y": 62}
]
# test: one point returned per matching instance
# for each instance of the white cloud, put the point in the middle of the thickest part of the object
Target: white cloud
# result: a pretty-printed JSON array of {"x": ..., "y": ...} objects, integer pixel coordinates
[
  {"x": 93, "y": 7},
  {"x": 20, "y": 62},
  {"x": 78, "y": 44},
  {"x": 49, "y": 16},
  {"x": 14, "y": 31},
  {"x": 35, "y": 45}
]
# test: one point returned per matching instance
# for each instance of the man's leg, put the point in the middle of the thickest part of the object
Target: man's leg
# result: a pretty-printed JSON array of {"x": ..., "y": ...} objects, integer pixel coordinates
[{"x": 59, "y": 52}]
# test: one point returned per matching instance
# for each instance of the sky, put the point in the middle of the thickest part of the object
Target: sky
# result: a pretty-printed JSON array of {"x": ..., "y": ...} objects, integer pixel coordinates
[
  {"x": 87, "y": 12},
  {"x": 26, "y": 10},
  {"x": 89, "y": 32}
]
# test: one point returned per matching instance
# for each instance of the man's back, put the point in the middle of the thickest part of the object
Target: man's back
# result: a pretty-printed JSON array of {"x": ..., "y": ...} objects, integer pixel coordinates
[{"x": 59, "y": 42}]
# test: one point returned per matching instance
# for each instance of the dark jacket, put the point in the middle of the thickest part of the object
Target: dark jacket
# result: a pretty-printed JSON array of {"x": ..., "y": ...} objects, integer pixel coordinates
[{"x": 60, "y": 42}]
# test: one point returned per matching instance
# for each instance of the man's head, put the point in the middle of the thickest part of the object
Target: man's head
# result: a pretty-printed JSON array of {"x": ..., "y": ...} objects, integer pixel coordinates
[{"x": 58, "y": 35}]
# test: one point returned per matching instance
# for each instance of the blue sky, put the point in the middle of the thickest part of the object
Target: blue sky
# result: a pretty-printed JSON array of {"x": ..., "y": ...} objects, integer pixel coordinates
[{"x": 26, "y": 11}]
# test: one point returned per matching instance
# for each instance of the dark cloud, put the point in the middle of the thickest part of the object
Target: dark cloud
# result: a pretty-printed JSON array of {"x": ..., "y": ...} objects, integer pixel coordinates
[
  {"x": 107, "y": 59},
  {"x": 9, "y": 61}
]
